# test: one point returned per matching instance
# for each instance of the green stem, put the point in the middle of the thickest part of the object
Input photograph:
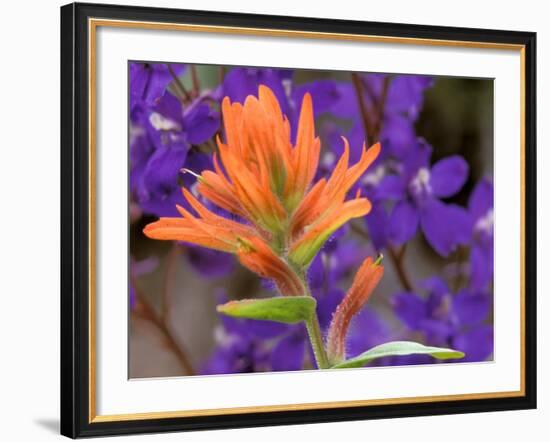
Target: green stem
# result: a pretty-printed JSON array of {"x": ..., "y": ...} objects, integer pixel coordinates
[
  {"x": 314, "y": 332},
  {"x": 316, "y": 340}
]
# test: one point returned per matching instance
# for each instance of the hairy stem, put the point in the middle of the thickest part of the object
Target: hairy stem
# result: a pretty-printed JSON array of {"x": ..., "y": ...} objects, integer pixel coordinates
[
  {"x": 314, "y": 332},
  {"x": 316, "y": 341}
]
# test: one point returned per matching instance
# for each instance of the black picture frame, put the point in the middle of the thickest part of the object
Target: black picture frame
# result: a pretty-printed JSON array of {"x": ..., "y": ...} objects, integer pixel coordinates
[{"x": 75, "y": 219}]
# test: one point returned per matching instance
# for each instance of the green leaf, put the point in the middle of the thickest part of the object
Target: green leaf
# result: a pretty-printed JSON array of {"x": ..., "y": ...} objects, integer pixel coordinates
[
  {"x": 287, "y": 309},
  {"x": 399, "y": 348}
]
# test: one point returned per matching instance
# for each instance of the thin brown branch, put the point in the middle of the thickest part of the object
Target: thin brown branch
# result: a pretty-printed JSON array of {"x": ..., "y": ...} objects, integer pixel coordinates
[
  {"x": 397, "y": 260},
  {"x": 365, "y": 117},
  {"x": 180, "y": 88},
  {"x": 195, "y": 81},
  {"x": 145, "y": 310},
  {"x": 168, "y": 283},
  {"x": 373, "y": 130},
  {"x": 380, "y": 106}
]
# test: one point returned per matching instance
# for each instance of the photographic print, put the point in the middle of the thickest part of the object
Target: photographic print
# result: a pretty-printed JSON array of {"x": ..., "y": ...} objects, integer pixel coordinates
[
  {"x": 292, "y": 219},
  {"x": 318, "y": 220}
]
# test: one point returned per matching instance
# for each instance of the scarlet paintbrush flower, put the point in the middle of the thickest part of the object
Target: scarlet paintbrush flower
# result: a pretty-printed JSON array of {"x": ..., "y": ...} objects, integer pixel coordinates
[
  {"x": 267, "y": 182},
  {"x": 367, "y": 278},
  {"x": 260, "y": 258}
]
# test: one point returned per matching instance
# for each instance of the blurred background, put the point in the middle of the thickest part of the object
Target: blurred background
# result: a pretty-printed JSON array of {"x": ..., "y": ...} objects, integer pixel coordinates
[{"x": 435, "y": 230}]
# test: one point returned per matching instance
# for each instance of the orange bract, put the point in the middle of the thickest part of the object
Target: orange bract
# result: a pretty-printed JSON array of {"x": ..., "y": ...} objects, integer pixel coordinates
[
  {"x": 366, "y": 279},
  {"x": 267, "y": 182}
]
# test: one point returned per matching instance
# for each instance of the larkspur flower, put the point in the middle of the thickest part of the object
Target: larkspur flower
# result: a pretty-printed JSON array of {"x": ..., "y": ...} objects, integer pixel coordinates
[
  {"x": 417, "y": 191},
  {"x": 148, "y": 82},
  {"x": 480, "y": 208},
  {"x": 399, "y": 98},
  {"x": 447, "y": 318},
  {"x": 242, "y": 346},
  {"x": 161, "y": 146},
  {"x": 281, "y": 219}
]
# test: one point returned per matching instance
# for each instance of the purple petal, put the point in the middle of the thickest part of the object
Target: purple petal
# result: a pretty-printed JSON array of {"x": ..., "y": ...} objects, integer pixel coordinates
[
  {"x": 266, "y": 329},
  {"x": 241, "y": 82},
  {"x": 148, "y": 81},
  {"x": 169, "y": 107},
  {"x": 347, "y": 106},
  {"x": 398, "y": 135},
  {"x": 437, "y": 331},
  {"x": 317, "y": 273},
  {"x": 356, "y": 139},
  {"x": 197, "y": 162},
  {"x": 406, "y": 94},
  {"x": 288, "y": 353},
  {"x": 471, "y": 308},
  {"x": 410, "y": 308},
  {"x": 391, "y": 187},
  {"x": 377, "y": 224},
  {"x": 159, "y": 188},
  {"x": 477, "y": 344},
  {"x": 326, "y": 306},
  {"x": 346, "y": 258},
  {"x": 403, "y": 222},
  {"x": 201, "y": 123},
  {"x": 324, "y": 93},
  {"x": 448, "y": 176},
  {"x": 444, "y": 226},
  {"x": 436, "y": 285},
  {"x": 481, "y": 266},
  {"x": 367, "y": 330},
  {"x": 416, "y": 158},
  {"x": 481, "y": 199}
]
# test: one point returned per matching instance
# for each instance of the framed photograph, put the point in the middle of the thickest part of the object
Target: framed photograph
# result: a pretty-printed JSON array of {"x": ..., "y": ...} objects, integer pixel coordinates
[{"x": 279, "y": 220}]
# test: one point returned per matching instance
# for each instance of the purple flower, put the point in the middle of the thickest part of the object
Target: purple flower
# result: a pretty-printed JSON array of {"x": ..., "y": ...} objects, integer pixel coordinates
[
  {"x": 148, "y": 82},
  {"x": 477, "y": 343},
  {"x": 445, "y": 318},
  {"x": 401, "y": 107},
  {"x": 242, "y": 82},
  {"x": 367, "y": 330},
  {"x": 245, "y": 346},
  {"x": 406, "y": 95},
  {"x": 416, "y": 191},
  {"x": 163, "y": 131},
  {"x": 480, "y": 208},
  {"x": 289, "y": 352},
  {"x": 325, "y": 95}
]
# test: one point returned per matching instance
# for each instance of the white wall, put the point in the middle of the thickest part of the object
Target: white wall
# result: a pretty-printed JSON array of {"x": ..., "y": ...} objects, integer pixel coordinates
[{"x": 29, "y": 183}]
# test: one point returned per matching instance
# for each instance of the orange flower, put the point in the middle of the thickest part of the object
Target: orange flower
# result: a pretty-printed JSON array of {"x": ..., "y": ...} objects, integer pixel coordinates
[
  {"x": 260, "y": 258},
  {"x": 267, "y": 181},
  {"x": 367, "y": 278}
]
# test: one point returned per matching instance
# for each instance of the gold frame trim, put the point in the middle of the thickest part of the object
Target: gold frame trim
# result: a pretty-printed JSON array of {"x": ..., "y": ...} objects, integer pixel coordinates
[{"x": 93, "y": 24}]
